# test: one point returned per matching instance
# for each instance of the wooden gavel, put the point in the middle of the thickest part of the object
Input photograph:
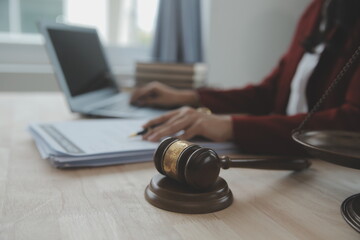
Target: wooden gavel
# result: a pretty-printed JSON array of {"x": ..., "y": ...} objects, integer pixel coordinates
[{"x": 199, "y": 167}]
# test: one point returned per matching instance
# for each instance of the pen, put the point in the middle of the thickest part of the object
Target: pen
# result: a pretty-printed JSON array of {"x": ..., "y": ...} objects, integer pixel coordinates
[{"x": 144, "y": 131}]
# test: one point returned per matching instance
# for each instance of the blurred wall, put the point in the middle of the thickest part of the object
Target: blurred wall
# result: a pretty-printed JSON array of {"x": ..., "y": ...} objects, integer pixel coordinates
[
  {"x": 243, "y": 41},
  {"x": 247, "y": 38}
]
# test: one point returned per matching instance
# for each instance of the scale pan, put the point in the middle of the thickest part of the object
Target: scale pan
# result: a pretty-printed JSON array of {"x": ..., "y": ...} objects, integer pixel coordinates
[{"x": 338, "y": 147}]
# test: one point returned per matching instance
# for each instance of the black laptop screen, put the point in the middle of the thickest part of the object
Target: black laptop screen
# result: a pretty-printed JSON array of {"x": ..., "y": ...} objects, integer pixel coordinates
[{"x": 82, "y": 60}]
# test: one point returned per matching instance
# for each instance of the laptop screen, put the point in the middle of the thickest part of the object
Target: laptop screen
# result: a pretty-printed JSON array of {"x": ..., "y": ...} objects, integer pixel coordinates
[{"x": 82, "y": 60}]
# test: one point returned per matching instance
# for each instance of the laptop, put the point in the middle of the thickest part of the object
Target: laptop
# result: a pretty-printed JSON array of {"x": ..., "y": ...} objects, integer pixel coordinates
[{"x": 84, "y": 75}]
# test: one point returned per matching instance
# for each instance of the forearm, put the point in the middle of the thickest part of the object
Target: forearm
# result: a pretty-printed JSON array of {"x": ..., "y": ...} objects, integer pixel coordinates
[
  {"x": 272, "y": 134},
  {"x": 255, "y": 100}
]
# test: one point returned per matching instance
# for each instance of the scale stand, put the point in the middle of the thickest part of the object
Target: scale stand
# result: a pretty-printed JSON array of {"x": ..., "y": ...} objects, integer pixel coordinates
[{"x": 338, "y": 147}]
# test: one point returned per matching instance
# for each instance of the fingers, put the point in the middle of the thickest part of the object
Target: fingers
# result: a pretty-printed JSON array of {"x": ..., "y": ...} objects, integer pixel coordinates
[
  {"x": 191, "y": 132},
  {"x": 159, "y": 120},
  {"x": 151, "y": 101},
  {"x": 152, "y": 94},
  {"x": 170, "y": 123},
  {"x": 141, "y": 96},
  {"x": 193, "y": 123},
  {"x": 168, "y": 129},
  {"x": 137, "y": 94}
]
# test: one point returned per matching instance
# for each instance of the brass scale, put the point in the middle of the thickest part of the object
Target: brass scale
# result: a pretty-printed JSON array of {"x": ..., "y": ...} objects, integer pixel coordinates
[{"x": 338, "y": 147}]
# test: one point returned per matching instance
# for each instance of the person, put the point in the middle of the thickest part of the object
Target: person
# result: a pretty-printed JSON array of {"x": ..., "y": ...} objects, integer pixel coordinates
[{"x": 260, "y": 118}]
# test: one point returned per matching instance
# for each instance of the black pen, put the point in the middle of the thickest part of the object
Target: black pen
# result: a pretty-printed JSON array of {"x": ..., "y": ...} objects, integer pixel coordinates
[{"x": 144, "y": 131}]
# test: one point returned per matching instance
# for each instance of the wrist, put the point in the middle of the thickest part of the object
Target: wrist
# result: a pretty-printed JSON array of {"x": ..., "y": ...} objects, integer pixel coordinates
[
  {"x": 228, "y": 128},
  {"x": 189, "y": 97}
]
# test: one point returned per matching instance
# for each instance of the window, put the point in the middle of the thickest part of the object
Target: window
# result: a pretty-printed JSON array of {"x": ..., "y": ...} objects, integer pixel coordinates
[{"x": 119, "y": 22}]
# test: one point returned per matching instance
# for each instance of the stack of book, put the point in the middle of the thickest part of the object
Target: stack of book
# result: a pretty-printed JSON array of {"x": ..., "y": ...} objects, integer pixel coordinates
[{"x": 178, "y": 75}]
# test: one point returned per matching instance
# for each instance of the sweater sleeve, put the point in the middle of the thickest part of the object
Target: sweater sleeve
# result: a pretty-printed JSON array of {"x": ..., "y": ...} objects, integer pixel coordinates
[
  {"x": 272, "y": 134},
  {"x": 253, "y": 99}
]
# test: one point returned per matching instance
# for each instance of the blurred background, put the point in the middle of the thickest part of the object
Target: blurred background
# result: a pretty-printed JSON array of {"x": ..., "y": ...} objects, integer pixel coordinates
[{"x": 241, "y": 40}]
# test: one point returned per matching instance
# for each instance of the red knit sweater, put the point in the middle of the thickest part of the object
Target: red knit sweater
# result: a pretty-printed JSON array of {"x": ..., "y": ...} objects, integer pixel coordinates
[{"x": 268, "y": 129}]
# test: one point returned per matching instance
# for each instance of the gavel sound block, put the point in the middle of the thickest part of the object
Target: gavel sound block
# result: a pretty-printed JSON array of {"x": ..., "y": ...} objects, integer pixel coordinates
[{"x": 189, "y": 181}]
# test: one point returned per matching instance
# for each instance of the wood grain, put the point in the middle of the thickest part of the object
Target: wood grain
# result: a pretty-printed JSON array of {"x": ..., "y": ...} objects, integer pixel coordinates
[{"x": 38, "y": 201}]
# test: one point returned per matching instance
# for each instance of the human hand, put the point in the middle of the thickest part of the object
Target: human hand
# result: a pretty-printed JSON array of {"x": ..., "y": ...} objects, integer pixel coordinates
[
  {"x": 159, "y": 95},
  {"x": 194, "y": 123}
]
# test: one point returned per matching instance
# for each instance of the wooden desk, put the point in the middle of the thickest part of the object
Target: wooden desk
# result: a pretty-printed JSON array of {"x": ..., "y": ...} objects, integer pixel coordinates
[{"x": 38, "y": 201}]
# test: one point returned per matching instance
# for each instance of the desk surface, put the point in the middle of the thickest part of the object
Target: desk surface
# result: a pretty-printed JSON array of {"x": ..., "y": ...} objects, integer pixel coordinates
[{"x": 38, "y": 201}]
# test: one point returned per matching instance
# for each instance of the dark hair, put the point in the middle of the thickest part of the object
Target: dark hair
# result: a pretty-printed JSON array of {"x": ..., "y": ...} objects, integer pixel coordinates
[{"x": 342, "y": 14}]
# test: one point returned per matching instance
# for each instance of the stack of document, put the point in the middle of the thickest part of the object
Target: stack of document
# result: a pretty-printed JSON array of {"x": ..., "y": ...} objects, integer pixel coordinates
[{"x": 100, "y": 142}]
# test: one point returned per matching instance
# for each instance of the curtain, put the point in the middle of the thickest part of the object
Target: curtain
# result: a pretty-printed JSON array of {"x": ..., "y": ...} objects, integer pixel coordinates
[{"x": 178, "y": 32}]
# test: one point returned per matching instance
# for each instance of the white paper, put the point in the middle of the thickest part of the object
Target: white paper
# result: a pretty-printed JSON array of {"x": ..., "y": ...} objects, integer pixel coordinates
[
  {"x": 98, "y": 142},
  {"x": 99, "y": 136}
]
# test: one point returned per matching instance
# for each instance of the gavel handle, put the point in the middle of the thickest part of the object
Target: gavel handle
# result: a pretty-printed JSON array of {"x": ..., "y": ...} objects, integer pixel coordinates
[{"x": 271, "y": 163}]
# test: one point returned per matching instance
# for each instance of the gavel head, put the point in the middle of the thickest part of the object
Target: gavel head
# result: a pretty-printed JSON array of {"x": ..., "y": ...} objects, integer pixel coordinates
[{"x": 188, "y": 163}]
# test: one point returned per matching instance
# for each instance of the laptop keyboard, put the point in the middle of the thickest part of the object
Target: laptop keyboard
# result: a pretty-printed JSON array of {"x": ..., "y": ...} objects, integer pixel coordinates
[{"x": 119, "y": 106}]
